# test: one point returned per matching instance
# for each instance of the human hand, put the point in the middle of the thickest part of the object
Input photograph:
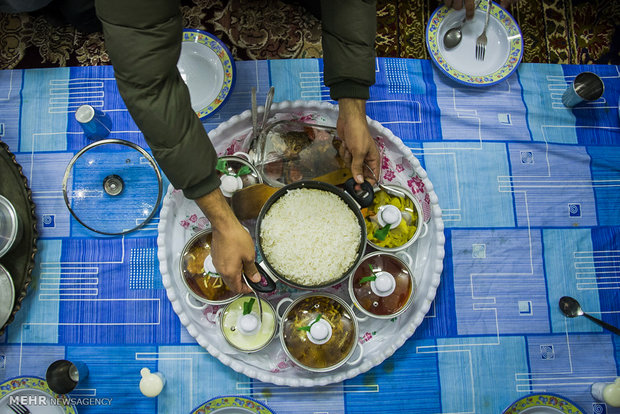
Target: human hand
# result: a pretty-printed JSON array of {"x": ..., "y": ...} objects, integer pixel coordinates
[
  {"x": 358, "y": 146},
  {"x": 507, "y": 3},
  {"x": 232, "y": 248},
  {"x": 470, "y": 7}
]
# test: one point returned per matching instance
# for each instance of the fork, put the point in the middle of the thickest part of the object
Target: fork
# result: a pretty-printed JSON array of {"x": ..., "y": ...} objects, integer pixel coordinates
[
  {"x": 481, "y": 42},
  {"x": 19, "y": 409}
]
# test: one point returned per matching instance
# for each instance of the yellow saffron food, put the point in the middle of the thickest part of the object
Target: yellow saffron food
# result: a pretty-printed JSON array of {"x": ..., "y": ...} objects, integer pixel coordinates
[{"x": 399, "y": 234}]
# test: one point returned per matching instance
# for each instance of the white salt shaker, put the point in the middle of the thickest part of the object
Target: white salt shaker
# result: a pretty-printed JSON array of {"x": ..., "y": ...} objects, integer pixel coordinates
[
  {"x": 151, "y": 384},
  {"x": 609, "y": 392}
]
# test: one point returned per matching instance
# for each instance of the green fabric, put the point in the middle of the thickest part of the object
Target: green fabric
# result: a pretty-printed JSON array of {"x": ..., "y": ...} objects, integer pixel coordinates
[
  {"x": 349, "y": 31},
  {"x": 143, "y": 40}
]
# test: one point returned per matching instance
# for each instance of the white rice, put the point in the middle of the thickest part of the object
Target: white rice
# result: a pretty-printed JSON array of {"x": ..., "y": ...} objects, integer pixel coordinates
[{"x": 310, "y": 237}]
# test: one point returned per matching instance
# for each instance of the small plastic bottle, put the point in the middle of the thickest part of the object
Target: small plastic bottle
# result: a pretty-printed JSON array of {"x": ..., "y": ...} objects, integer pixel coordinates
[
  {"x": 609, "y": 392},
  {"x": 151, "y": 384}
]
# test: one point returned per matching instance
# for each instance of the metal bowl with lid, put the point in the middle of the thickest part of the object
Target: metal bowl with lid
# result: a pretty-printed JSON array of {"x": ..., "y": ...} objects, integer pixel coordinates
[
  {"x": 199, "y": 276},
  {"x": 236, "y": 172},
  {"x": 382, "y": 286},
  {"x": 10, "y": 229},
  {"x": 245, "y": 327},
  {"x": 319, "y": 332},
  {"x": 7, "y": 295},
  {"x": 394, "y": 220}
]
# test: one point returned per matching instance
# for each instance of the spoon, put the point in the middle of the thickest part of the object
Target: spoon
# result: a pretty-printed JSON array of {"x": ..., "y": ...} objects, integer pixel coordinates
[
  {"x": 453, "y": 36},
  {"x": 571, "y": 308}
]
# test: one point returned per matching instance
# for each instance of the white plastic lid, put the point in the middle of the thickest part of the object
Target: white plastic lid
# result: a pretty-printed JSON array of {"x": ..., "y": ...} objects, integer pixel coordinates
[
  {"x": 389, "y": 214},
  {"x": 611, "y": 393},
  {"x": 209, "y": 267},
  {"x": 230, "y": 184},
  {"x": 383, "y": 285},
  {"x": 150, "y": 384},
  {"x": 84, "y": 113},
  {"x": 320, "y": 332},
  {"x": 248, "y": 324}
]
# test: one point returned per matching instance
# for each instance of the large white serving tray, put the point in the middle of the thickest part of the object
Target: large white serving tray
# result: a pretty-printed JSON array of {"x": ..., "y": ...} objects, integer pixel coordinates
[{"x": 180, "y": 218}]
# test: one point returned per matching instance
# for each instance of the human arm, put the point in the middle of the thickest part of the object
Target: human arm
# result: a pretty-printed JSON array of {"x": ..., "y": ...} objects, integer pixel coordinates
[
  {"x": 360, "y": 149},
  {"x": 143, "y": 40},
  {"x": 349, "y": 30}
]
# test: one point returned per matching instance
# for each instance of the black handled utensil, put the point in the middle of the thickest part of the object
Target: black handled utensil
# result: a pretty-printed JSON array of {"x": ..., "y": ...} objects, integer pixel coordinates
[{"x": 571, "y": 308}]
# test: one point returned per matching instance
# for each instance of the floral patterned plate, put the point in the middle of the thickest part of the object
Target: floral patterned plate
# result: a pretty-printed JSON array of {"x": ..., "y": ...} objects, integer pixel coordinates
[
  {"x": 32, "y": 393},
  {"x": 181, "y": 218},
  {"x": 207, "y": 67},
  {"x": 503, "y": 52},
  {"x": 543, "y": 404},
  {"x": 232, "y": 405}
]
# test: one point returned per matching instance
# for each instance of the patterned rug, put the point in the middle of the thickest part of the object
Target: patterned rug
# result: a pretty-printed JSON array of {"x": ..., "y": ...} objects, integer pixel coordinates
[{"x": 554, "y": 31}]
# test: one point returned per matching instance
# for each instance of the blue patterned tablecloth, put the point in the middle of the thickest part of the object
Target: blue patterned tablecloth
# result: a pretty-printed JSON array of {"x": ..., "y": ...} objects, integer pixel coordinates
[{"x": 530, "y": 193}]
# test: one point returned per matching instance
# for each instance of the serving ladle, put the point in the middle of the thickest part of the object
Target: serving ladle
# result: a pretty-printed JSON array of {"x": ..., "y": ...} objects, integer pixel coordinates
[
  {"x": 453, "y": 36},
  {"x": 571, "y": 308}
]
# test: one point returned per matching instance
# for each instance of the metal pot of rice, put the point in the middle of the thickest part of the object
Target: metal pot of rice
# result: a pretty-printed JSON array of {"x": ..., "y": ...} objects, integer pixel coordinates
[{"x": 311, "y": 235}]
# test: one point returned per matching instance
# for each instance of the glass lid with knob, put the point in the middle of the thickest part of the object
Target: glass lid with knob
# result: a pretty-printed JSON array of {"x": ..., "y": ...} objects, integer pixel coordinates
[
  {"x": 199, "y": 274},
  {"x": 112, "y": 187},
  {"x": 243, "y": 326},
  {"x": 394, "y": 219},
  {"x": 319, "y": 332},
  {"x": 382, "y": 285}
]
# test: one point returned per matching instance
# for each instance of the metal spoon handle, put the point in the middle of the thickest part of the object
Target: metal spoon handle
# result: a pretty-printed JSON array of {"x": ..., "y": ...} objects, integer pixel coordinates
[
  {"x": 254, "y": 114},
  {"x": 603, "y": 324},
  {"x": 268, "y": 102},
  {"x": 486, "y": 20}
]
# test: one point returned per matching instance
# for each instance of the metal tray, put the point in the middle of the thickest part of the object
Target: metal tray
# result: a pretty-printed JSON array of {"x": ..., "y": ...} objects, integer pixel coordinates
[{"x": 20, "y": 260}]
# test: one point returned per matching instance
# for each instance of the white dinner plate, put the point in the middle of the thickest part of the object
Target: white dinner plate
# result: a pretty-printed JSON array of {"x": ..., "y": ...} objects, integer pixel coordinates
[
  {"x": 208, "y": 69},
  {"x": 546, "y": 403},
  {"x": 504, "y": 48},
  {"x": 34, "y": 394}
]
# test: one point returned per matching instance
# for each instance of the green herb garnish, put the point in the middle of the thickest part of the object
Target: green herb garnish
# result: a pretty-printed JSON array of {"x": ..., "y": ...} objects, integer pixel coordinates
[
  {"x": 307, "y": 328},
  {"x": 247, "y": 306},
  {"x": 245, "y": 170},
  {"x": 369, "y": 278},
  {"x": 381, "y": 234},
  {"x": 222, "y": 166}
]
